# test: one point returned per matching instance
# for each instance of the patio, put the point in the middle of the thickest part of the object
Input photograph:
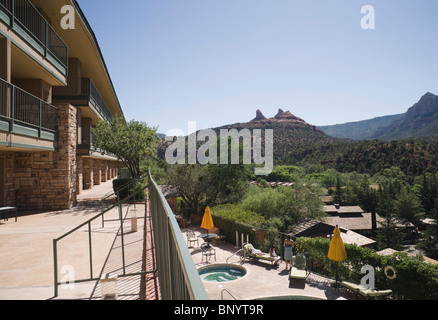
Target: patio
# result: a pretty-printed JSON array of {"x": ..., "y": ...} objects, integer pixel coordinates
[{"x": 263, "y": 280}]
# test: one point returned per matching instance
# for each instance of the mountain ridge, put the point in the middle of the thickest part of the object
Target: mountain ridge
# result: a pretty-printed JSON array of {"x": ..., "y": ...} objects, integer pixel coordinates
[{"x": 421, "y": 120}]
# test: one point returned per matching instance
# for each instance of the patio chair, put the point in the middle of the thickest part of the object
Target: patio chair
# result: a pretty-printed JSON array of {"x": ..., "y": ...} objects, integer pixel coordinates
[
  {"x": 298, "y": 270},
  {"x": 207, "y": 251},
  {"x": 191, "y": 237},
  {"x": 262, "y": 256},
  {"x": 364, "y": 291}
]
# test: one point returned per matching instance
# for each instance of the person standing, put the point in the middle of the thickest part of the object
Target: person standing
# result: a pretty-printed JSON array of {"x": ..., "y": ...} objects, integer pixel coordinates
[{"x": 288, "y": 251}]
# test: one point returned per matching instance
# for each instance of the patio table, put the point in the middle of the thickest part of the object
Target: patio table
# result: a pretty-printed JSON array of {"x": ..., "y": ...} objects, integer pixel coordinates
[{"x": 208, "y": 237}]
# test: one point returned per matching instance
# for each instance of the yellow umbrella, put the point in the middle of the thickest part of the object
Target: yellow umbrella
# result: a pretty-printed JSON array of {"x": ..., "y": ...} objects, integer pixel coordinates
[
  {"x": 207, "y": 221},
  {"x": 337, "y": 250}
]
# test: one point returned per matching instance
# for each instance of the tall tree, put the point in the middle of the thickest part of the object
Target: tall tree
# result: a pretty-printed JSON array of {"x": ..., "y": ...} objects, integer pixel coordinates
[
  {"x": 429, "y": 243},
  {"x": 429, "y": 192},
  {"x": 407, "y": 206},
  {"x": 131, "y": 142},
  {"x": 388, "y": 236},
  {"x": 193, "y": 181}
]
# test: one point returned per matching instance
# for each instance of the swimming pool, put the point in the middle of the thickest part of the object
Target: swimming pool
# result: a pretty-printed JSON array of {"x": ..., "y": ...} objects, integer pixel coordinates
[{"x": 221, "y": 272}]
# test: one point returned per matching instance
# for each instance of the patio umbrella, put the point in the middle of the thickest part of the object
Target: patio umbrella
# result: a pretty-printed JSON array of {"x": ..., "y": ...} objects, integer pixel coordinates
[
  {"x": 207, "y": 221},
  {"x": 337, "y": 250}
]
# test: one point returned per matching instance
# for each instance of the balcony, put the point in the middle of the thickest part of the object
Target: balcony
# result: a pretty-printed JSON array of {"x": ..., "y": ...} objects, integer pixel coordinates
[
  {"x": 89, "y": 90},
  {"x": 25, "y": 114},
  {"x": 83, "y": 94},
  {"x": 22, "y": 17}
]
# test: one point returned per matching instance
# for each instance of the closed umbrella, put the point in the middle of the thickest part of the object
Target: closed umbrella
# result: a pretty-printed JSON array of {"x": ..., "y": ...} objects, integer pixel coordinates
[
  {"x": 207, "y": 221},
  {"x": 337, "y": 250}
]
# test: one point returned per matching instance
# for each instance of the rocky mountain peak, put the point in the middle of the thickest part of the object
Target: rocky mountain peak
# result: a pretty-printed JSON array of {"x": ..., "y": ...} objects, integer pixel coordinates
[{"x": 259, "y": 116}]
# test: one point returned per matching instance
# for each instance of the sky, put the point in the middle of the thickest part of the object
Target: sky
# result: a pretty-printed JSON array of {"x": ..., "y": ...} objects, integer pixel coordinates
[{"x": 217, "y": 61}]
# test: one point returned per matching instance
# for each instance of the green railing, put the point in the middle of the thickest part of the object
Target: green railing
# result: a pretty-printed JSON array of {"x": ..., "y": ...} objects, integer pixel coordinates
[
  {"x": 177, "y": 274},
  {"x": 89, "y": 89},
  {"x": 87, "y": 224},
  {"x": 22, "y": 13},
  {"x": 20, "y": 107}
]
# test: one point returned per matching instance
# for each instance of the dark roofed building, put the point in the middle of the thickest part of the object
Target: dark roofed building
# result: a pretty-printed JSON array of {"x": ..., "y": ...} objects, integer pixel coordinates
[
  {"x": 317, "y": 229},
  {"x": 355, "y": 219}
]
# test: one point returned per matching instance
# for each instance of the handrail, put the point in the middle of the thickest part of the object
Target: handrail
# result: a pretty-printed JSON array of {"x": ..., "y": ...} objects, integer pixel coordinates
[
  {"x": 178, "y": 276},
  {"x": 88, "y": 223},
  {"x": 24, "y": 13},
  {"x": 233, "y": 255},
  {"x": 128, "y": 185},
  {"x": 227, "y": 291},
  {"x": 89, "y": 89},
  {"x": 17, "y": 105}
]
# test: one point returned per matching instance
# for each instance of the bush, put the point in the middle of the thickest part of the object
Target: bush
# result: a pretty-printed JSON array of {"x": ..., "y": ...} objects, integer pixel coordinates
[
  {"x": 232, "y": 217},
  {"x": 119, "y": 186},
  {"x": 415, "y": 280}
]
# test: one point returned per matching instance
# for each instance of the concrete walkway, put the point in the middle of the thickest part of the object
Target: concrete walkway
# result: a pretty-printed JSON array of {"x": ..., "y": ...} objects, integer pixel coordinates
[{"x": 26, "y": 251}]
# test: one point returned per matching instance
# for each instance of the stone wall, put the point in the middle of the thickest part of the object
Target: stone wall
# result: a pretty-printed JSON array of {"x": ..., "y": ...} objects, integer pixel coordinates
[
  {"x": 51, "y": 180},
  {"x": 45, "y": 180}
]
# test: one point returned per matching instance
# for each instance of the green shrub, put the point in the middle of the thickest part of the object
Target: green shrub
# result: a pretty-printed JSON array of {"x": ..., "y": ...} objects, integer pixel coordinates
[
  {"x": 415, "y": 280},
  {"x": 119, "y": 186}
]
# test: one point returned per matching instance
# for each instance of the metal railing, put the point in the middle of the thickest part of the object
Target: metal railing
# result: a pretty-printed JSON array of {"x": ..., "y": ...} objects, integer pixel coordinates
[
  {"x": 87, "y": 224},
  {"x": 19, "y": 106},
  {"x": 177, "y": 274},
  {"x": 125, "y": 187},
  {"x": 227, "y": 291},
  {"x": 89, "y": 89},
  {"x": 24, "y": 13}
]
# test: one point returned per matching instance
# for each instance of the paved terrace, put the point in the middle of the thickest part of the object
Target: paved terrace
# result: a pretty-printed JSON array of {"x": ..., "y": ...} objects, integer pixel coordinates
[
  {"x": 26, "y": 258},
  {"x": 26, "y": 252}
]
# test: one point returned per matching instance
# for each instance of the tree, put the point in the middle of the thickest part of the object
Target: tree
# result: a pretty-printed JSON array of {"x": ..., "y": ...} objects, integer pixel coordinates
[
  {"x": 368, "y": 200},
  {"x": 430, "y": 238},
  {"x": 429, "y": 192},
  {"x": 284, "y": 206},
  {"x": 338, "y": 196},
  {"x": 130, "y": 142},
  {"x": 388, "y": 236},
  {"x": 407, "y": 206},
  {"x": 229, "y": 181},
  {"x": 194, "y": 183}
]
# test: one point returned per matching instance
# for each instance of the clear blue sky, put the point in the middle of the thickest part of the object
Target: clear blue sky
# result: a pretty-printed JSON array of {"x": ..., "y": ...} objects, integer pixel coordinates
[{"x": 217, "y": 61}]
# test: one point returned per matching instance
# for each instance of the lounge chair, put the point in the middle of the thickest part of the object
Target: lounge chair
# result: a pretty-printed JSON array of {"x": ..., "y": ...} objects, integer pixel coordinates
[
  {"x": 261, "y": 256},
  {"x": 298, "y": 270},
  {"x": 365, "y": 292}
]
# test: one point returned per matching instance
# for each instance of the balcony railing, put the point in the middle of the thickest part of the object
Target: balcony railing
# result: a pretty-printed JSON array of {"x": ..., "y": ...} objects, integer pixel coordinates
[
  {"x": 20, "y": 107},
  {"x": 27, "y": 17},
  {"x": 89, "y": 89},
  {"x": 178, "y": 277}
]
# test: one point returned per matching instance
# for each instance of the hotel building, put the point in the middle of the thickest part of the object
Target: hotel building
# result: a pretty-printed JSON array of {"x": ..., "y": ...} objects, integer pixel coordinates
[{"x": 54, "y": 87}]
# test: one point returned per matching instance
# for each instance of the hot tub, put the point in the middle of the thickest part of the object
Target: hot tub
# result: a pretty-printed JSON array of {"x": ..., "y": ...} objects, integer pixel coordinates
[{"x": 222, "y": 272}]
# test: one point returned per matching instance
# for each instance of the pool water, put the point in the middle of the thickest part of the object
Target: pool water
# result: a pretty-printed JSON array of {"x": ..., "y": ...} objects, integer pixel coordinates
[{"x": 221, "y": 273}]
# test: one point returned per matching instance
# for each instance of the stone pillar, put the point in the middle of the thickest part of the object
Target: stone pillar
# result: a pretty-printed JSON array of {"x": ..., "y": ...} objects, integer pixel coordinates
[
  {"x": 66, "y": 158},
  {"x": 80, "y": 176},
  {"x": 88, "y": 173},
  {"x": 97, "y": 172},
  {"x": 104, "y": 168},
  {"x": 108, "y": 170}
]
